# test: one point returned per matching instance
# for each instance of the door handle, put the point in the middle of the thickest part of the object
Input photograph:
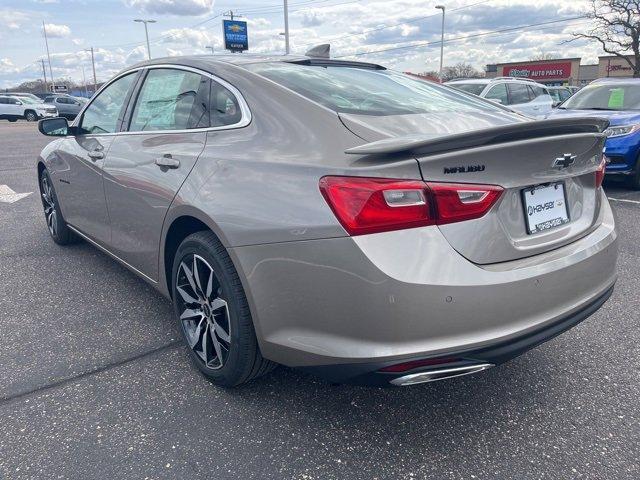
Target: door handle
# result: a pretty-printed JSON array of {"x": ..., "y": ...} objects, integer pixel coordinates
[
  {"x": 167, "y": 162},
  {"x": 96, "y": 154}
]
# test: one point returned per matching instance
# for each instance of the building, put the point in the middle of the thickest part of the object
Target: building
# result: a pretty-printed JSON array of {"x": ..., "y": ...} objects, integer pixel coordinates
[{"x": 563, "y": 71}]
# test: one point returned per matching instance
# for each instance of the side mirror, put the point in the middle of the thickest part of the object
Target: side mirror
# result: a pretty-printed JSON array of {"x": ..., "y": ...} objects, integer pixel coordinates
[
  {"x": 54, "y": 127},
  {"x": 19, "y": 103}
]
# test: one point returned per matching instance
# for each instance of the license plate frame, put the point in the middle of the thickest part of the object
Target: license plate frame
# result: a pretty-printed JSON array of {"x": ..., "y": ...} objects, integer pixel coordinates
[{"x": 550, "y": 223}]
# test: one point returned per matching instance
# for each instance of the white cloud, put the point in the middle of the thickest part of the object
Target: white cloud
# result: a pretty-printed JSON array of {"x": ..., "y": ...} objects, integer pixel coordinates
[
  {"x": 57, "y": 31},
  {"x": 172, "y": 7},
  {"x": 12, "y": 19}
]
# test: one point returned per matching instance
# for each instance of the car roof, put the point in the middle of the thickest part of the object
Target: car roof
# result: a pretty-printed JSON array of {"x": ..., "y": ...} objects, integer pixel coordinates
[
  {"x": 245, "y": 59},
  {"x": 616, "y": 80},
  {"x": 470, "y": 80}
]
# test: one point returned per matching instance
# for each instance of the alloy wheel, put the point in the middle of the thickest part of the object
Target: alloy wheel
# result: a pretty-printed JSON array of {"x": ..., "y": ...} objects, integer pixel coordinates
[
  {"x": 204, "y": 313},
  {"x": 31, "y": 117},
  {"x": 50, "y": 211}
]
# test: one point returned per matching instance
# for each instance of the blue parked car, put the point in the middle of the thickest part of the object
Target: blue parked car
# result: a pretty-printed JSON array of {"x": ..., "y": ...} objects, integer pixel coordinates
[{"x": 618, "y": 100}]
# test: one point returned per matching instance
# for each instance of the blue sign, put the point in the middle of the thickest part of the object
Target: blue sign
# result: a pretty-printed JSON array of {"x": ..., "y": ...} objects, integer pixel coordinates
[{"x": 235, "y": 35}]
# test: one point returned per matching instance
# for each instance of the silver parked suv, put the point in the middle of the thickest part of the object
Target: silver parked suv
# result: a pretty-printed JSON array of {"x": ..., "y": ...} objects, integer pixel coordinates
[
  {"x": 335, "y": 216},
  {"x": 520, "y": 94}
]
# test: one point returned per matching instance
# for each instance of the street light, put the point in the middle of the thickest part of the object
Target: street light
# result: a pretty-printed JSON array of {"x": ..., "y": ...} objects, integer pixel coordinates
[
  {"x": 146, "y": 32},
  {"x": 286, "y": 27},
  {"x": 210, "y": 48},
  {"x": 441, "y": 7}
]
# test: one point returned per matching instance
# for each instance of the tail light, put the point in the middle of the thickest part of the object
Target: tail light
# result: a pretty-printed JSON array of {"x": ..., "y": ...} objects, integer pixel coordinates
[
  {"x": 372, "y": 205},
  {"x": 600, "y": 171}
]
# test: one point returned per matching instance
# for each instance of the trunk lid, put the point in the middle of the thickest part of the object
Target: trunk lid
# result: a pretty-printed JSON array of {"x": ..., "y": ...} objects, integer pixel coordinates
[{"x": 515, "y": 156}]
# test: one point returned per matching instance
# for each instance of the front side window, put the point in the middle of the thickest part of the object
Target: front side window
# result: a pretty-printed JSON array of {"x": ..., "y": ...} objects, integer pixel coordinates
[
  {"x": 171, "y": 99},
  {"x": 498, "y": 93},
  {"x": 518, "y": 93},
  {"x": 367, "y": 91},
  {"x": 105, "y": 112}
]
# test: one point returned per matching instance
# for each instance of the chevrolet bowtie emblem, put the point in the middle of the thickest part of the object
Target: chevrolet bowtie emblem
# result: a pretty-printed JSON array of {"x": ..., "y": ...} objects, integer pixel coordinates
[{"x": 565, "y": 161}]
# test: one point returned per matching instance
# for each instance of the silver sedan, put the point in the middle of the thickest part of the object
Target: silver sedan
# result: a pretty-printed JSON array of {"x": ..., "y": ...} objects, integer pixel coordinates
[{"x": 335, "y": 216}]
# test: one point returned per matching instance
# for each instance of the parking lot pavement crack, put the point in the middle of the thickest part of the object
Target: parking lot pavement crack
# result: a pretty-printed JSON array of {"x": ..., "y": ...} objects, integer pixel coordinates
[{"x": 66, "y": 381}]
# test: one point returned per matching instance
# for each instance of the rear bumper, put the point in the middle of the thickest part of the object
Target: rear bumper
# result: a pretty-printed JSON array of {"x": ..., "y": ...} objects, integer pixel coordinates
[
  {"x": 495, "y": 354},
  {"x": 353, "y": 304}
]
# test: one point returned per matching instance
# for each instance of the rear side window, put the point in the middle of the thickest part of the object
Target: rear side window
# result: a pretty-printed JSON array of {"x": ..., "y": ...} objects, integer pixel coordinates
[
  {"x": 518, "y": 93},
  {"x": 3, "y": 101},
  {"x": 367, "y": 91},
  {"x": 225, "y": 109},
  {"x": 171, "y": 99}
]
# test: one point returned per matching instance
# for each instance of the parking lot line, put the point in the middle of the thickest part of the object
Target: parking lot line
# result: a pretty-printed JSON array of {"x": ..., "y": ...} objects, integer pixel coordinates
[{"x": 624, "y": 200}]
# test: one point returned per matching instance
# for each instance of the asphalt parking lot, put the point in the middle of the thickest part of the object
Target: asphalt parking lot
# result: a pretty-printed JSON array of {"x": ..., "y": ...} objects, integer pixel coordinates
[{"x": 95, "y": 385}]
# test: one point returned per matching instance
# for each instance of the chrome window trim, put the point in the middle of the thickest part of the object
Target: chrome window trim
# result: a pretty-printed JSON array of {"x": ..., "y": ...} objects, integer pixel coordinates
[{"x": 245, "y": 118}]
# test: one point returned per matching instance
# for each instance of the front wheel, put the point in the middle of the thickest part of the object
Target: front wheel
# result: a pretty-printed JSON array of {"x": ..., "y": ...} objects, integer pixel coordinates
[
  {"x": 31, "y": 116},
  {"x": 58, "y": 229},
  {"x": 212, "y": 310}
]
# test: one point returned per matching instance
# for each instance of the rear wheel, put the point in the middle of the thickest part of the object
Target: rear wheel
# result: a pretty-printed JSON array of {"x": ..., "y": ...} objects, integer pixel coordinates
[
  {"x": 12, "y": 119},
  {"x": 30, "y": 116},
  {"x": 213, "y": 313},
  {"x": 58, "y": 228}
]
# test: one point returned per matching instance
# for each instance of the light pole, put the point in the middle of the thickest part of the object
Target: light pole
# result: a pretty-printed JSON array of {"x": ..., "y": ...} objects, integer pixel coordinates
[
  {"x": 93, "y": 65},
  {"x": 441, "y": 7},
  {"x": 146, "y": 32},
  {"x": 46, "y": 42},
  {"x": 210, "y": 48},
  {"x": 286, "y": 27}
]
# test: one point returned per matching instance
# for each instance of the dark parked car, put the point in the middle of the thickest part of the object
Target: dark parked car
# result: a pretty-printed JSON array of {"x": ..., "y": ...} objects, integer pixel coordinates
[{"x": 336, "y": 216}]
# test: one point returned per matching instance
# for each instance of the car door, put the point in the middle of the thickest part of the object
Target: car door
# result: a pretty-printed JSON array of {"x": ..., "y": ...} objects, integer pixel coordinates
[
  {"x": 83, "y": 156},
  {"x": 147, "y": 164}
]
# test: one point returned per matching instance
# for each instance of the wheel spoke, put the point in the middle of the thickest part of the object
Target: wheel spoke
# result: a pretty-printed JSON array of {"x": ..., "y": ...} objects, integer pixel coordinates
[
  {"x": 196, "y": 276},
  {"x": 190, "y": 313},
  {"x": 185, "y": 296},
  {"x": 218, "y": 303},
  {"x": 189, "y": 274},
  {"x": 216, "y": 346},
  {"x": 204, "y": 345},
  {"x": 224, "y": 336},
  {"x": 209, "y": 285}
]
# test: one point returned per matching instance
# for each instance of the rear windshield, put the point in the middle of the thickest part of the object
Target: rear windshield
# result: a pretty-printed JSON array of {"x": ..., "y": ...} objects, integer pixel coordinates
[
  {"x": 475, "y": 88},
  {"x": 367, "y": 91},
  {"x": 606, "y": 97}
]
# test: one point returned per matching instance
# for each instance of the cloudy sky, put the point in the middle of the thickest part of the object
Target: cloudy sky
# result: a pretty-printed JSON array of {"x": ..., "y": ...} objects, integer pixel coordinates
[{"x": 403, "y": 34}]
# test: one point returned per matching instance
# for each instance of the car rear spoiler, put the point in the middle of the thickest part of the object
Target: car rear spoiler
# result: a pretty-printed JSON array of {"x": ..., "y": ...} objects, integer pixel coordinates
[{"x": 420, "y": 145}]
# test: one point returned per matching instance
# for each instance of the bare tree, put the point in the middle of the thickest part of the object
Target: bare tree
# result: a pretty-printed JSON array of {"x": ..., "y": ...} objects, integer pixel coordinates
[
  {"x": 461, "y": 70},
  {"x": 616, "y": 26},
  {"x": 542, "y": 56}
]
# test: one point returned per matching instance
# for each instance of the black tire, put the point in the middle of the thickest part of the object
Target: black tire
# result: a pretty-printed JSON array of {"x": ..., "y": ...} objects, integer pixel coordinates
[
  {"x": 58, "y": 229},
  {"x": 12, "y": 119},
  {"x": 30, "y": 116},
  {"x": 240, "y": 359},
  {"x": 634, "y": 180}
]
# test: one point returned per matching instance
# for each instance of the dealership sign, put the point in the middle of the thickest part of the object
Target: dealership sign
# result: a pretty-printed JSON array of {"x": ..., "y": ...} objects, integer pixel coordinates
[
  {"x": 543, "y": 71},
  {"x": 235, "y": 35}
]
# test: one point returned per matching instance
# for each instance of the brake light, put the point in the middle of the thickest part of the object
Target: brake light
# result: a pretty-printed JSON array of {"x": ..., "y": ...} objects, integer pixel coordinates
[
  {"x": 371, "y": 205},
  {"x": 600, "y": 171},
  {"x": 458, "y": 202}
]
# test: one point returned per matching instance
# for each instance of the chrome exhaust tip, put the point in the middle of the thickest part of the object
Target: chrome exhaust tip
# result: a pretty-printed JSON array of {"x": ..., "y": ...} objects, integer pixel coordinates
[{"x": 440, "y": 374}]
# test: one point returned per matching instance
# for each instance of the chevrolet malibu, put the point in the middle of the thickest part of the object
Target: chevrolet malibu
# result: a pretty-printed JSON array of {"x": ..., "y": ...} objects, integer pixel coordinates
[{"x": 335, "y": 216}]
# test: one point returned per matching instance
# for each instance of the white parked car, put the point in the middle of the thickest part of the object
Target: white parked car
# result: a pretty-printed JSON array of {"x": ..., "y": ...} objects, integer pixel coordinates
[
  {"x": 519, "y": 94},
  {"x": 13, "y": 108}
]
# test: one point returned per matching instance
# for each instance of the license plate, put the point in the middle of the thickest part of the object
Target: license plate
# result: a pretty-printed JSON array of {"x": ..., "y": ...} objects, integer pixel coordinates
[{"x": 545, "y": 207}]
